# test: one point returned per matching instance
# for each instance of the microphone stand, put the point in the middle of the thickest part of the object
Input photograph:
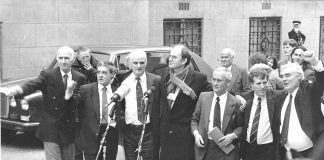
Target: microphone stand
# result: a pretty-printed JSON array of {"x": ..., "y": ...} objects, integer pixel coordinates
[
  {"x": 103, "y": 137},
  {"x": 139, "y": 148}
]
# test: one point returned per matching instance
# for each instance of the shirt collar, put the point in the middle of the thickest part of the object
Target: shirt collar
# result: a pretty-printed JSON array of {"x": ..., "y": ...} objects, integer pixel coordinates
[
  {"x": 294, "y": 92},
  {"x": 222, "y": 97},
  {"x": 230, "y": 68},
  {"x": 100, "y": 87},
  {"x": 255, "y": 97},
  {"x": 63, "y": 73},
  {"x": 142, "y": 77}
]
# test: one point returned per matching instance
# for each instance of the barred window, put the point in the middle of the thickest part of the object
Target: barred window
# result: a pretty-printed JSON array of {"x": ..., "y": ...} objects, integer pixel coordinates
[
  {"x": 185, "y": 31},
  {"x": 264, "y": 35},
  {"x": 321, "y": 45}
]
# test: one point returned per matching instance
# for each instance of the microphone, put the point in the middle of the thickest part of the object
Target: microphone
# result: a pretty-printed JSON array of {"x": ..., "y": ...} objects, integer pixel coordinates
[
  {"x": 146, "y": 96},
  {"x": 113, "y": 99}
]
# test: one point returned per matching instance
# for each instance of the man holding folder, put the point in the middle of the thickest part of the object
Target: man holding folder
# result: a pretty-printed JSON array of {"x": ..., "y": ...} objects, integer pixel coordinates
[{"x": 217, "y": 121}]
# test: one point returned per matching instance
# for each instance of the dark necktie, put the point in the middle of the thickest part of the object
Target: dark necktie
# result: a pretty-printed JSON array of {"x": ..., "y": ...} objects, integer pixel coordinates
[
  {"x": 139, "y": 96},
  {"x": 217, "y": 114},
  {"x": 65, "y": 77},
  {"x": 285, "y": 127},
  {"x": 104, "y": 112},
  {"x": 255, "y": 124}
]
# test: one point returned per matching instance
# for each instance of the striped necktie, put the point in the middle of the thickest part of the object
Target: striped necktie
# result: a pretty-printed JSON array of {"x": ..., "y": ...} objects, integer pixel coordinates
[{"x": 255, "y": 124}]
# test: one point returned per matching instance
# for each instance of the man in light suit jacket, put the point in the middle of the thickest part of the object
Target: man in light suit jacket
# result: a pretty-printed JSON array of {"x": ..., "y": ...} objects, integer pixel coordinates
[
  {"x": 217, "y": 109},
  {"x": 132, "y": 88},
  {"x": 92, "y": 101},
  {"x": 299, "y": 117},
  {"x": 178, "y": 94},
  {"x": 259, "y": 136},
  {"x": 57, "y": 124},
  {"x": 239, "y": 82}
]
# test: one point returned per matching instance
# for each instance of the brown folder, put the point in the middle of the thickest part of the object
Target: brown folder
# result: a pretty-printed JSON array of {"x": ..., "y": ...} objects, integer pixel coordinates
[{"x": 216, "y": 134}]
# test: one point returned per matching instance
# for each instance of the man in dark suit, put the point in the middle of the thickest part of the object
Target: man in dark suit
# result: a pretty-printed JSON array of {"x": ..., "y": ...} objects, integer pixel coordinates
[
  {"x": 296, "y": 34},
  {"x": 92, "y": 101},
  {"x": 177, "y": 99},
  {"x": 57, "y": 124},
  {"x": 299, "y": 116},
  {"x": 132, "y": 88},
  {"x": 239, "y": 82},
  {"x": 259, "y": 136},
  {"x": 218, "y": 109}
]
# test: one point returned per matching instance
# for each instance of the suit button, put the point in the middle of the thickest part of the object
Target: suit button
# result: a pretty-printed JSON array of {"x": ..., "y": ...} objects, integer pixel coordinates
[
  {"x": 56, "y": 108},
  {"x": 96, "y": 134},
  {"x": 170, "y": 132},
  {"x": 54, "y": 97}
]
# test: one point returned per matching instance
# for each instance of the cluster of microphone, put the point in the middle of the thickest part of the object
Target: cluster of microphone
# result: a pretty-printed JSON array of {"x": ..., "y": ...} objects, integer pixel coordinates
[{"x": 116, "y": 97}]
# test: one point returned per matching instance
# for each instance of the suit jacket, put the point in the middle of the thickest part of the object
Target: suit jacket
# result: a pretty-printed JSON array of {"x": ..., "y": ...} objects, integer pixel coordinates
[
  {"x": 308, "y": 107},
  {"x": 232, "y": 120},
  {"x": 57, "y": 122},
  {"x": 88, "y": 102},
  {"x": 239, "y": 82},
  {"x": 91, "y": 75},
  {"x": 298, "y": 37},
  {"x": 272, "y": 97},
  {"x": 175, "y": 123}
]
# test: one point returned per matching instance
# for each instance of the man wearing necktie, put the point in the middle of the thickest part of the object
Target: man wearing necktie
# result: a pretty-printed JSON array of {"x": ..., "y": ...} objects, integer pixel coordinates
[
  {"x": 218, "y": 109},
  {"x": 258, "y": 133},
  {"x": 299, "y": 116},
  {"x": 92, "y": 102},
  {"x": 239, "y": 82},
  {"x": 57, "y": 124},
  {"x": 132, "y": 88}
]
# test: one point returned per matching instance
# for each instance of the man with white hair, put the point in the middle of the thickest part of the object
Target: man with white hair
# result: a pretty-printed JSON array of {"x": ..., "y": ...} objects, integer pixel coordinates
[
  {"x": 217, "y": 109},
  {"x": 239, "y": 82},
  {"x": 57, "y": 124},
  {"x": 299, "y": 116},
  {"x": 132, "y": 89}
]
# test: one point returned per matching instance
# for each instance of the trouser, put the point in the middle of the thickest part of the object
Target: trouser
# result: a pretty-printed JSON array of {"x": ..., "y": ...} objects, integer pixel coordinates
[
  {"x": 54, "y": 151},
  {"x": 257, "y": 152},
  {"x": 213, "y": 152},
  {"x": 131, "y": 139},
  {"x": 110, "y": 145}
]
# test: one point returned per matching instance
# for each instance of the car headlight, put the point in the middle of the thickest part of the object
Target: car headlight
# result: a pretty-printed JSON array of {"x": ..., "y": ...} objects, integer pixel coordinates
[
  {"x": 12, "y": 101},
  {"x": 24, "y": 104}
]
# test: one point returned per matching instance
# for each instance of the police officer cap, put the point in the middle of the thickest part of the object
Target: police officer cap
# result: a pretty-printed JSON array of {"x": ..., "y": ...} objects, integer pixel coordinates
[{"x": 296, "y": 22}]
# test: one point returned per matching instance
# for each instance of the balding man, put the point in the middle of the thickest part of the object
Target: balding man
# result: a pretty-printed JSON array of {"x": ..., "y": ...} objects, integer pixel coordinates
[
  {"x": 240, "y": 81},
  {"x": 57, "y": 124},
  {"x": 217, "y": 109},
  {"x": 132, "y": 89},
  {"x": 298, "y": 115},
  {"x": 179, "y": 90}
]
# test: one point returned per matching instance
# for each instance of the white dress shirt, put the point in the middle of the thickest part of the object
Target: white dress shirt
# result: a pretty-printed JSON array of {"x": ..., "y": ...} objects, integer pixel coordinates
[
  {"x": 109, "y": 94},
  {"x": 297, "y": 138},
  {"x": 127, "y": 90},
  {"x": 264, "y": 135},
  {"x": 222, "y": 104},
  {"x": 69, "y": 74}
]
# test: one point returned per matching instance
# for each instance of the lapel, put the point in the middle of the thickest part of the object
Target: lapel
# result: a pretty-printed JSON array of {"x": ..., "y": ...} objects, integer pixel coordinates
[
  {"x": 297, "y": 104},
  {"x": 149, "y": 83},
  {"x": 270, "y": 103},
  {"x": 95, "y": 100},
  {"x": 59, "y": 80},
  {"x": 209, "y": 100},
  {"x": 247, "y": 110},
  {"x": 234, "y": 71},
  {"x": 229, "y": 108}
]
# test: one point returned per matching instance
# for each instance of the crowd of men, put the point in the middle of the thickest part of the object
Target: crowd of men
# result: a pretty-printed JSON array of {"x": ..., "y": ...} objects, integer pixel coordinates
[{"x": 271, "y": 112}]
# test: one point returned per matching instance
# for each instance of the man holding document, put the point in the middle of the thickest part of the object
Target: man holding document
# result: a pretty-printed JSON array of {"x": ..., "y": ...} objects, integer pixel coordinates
[{"x": 217, "y": 121}]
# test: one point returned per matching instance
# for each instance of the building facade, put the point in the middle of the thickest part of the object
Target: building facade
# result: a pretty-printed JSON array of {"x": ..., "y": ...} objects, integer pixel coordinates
[{"x": 33, "y": 30}]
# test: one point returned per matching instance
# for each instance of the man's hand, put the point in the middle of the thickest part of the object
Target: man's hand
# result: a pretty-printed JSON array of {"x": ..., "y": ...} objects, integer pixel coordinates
[
  {"x": 11, "y": 91},
  {"x": 198, "y": 139},
  {"x": 226, "y": 140},
  {"x": 87, "y": 65},
  {"x": 70, "y": 85},
  {"x": 243, "y": 101},
  {"x": 309, "y": 56}
]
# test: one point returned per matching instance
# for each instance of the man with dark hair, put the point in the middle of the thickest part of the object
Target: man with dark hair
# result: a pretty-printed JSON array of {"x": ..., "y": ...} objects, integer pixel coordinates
[
  {"x": 86, "y": 64},
  {"x": 288, "y": 46},
  {"x": 92, "y": 101},
  {"x": 178, "y": 94},
  {"x": 296, "y": 34},
  {"x": 259, "y": 136},
  {"x": 239, "y": 82}
]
